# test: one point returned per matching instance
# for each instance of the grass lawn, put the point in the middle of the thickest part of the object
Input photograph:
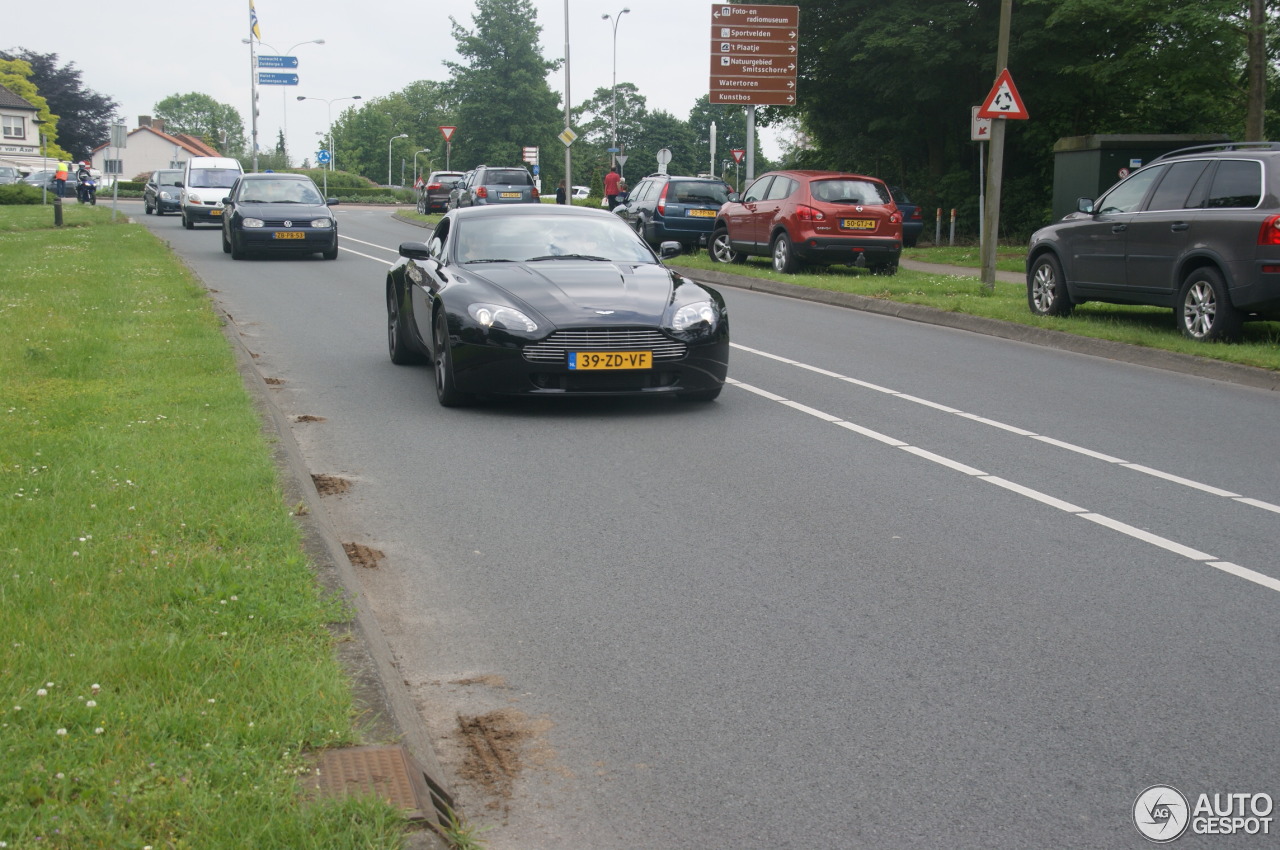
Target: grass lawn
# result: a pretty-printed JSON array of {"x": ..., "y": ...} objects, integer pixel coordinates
[
  {"x": 1152, "y": 327},
  {"x": 167, "y": 662}
]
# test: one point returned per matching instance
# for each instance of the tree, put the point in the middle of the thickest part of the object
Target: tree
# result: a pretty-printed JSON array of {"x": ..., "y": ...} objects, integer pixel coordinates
[
  {"x": 503, "y": 100},
  {"x": 199, "y": 115},
  {"x": 83, "y": 115},
  {"x": 14, "y": 75}
]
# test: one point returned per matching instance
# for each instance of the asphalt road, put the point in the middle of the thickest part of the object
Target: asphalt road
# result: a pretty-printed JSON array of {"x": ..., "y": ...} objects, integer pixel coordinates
[{"x": 900, "y": 586}]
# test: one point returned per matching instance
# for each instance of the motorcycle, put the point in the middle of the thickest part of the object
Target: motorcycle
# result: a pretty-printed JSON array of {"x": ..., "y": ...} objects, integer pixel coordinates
[{"x": 87, "y": 190}]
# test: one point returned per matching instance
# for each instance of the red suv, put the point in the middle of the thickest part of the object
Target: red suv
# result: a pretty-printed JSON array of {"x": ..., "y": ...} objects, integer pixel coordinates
[{"x": 820, "y": 217}]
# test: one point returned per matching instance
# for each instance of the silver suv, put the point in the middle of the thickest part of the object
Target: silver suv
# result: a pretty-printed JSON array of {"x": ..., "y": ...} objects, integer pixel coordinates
[
  {"x": 490, "y": 184},
  {"x": 1197, "y": 230}
]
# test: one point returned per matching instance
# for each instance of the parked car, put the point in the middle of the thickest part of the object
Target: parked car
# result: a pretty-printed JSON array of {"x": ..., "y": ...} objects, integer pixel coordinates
[
  {"x": 552, "y": 300},
  {"x": 664, "y": 207},
  {"x": 497, "y": 185},
  {"x": 581, "y": 193},
  {"x": 821, "y": 217},
  {"x": 163, "y": 192},
  {"x": 912, "y": 220},
  {"x": 278, "y": 213},
  {"x": 44, "y": 179},
  {"x": 9, "y": 174},
  {"x": 435, "y": 191},
  {"x": 1196, "y": 230}
]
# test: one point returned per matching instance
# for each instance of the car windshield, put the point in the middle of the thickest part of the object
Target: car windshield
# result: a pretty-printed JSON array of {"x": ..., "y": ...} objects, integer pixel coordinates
[
  {"x": 849, "y": 191},
  {"x": 689, "y": 192},
  {"x": 444, "y": 178},
  {"x": 522, "y": 238},
  {"x": 168, "y": 178},
  {"x": 279, "y": 192},
  {"x": 213, "y": 178}
]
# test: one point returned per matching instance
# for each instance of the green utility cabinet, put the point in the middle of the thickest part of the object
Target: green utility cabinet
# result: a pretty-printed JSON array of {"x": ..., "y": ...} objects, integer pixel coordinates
[{"x": 1086, "y": 166}]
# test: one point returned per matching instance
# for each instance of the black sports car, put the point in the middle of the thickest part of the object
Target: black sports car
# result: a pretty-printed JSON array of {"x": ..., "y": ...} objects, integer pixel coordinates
[{"x": 538, "y": 299}]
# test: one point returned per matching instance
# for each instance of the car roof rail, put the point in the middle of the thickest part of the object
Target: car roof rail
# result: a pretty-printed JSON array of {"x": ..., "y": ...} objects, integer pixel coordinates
[{"x": 1220, "y": 146}]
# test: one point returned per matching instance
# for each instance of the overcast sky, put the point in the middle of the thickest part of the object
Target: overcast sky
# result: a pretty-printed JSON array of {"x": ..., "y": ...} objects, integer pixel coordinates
[{"x": 139, "y": 52}]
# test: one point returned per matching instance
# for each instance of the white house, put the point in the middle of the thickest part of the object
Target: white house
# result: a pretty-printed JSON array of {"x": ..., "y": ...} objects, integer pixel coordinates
[
  {"x": 148, "y": 148},
  {"x": 19, "y": 133}
]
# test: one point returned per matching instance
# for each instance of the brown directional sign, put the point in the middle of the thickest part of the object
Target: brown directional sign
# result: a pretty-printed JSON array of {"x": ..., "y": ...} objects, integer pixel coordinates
[{"x": 753, "y": 54}]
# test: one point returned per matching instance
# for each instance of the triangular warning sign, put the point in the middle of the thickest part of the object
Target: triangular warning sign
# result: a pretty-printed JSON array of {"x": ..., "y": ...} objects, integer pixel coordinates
[{"x": 1004, "y": 100}]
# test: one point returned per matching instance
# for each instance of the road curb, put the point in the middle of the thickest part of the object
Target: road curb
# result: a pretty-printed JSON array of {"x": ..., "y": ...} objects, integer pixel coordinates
[{"x": 1186, "y": 364}]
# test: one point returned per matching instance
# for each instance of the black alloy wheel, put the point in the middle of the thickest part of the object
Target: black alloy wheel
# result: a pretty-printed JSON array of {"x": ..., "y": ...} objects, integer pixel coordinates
[
  {"x": 446, "y": 390},
  {"x": 1047, "y": 288},
  {"x": 399, "y": 345}
]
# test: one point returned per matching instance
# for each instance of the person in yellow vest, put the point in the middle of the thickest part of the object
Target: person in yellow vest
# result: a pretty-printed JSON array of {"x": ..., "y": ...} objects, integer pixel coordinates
[{"x": 60, "y": 178}]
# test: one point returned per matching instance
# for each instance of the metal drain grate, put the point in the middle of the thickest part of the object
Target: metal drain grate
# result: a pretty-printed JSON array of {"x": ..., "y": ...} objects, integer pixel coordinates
[{"x": 388, "y": 772}]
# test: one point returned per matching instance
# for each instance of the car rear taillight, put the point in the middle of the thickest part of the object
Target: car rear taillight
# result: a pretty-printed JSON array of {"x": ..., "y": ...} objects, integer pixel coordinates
[
  {"x": 662, "y": 199},
  {"x": 433, "y": 186},
  {"x": 1269, "y": 233},
  {"x": 895, "y": 216},
  {"x": 535, "y": 193},
  {"x": 482, "y": 192},
  {"x": 804, "y": 212},
  {"x": 915, "y": 215}
]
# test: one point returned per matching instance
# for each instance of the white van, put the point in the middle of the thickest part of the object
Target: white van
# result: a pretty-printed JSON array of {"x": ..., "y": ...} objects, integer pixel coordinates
[{"x": 206, "y": 180}]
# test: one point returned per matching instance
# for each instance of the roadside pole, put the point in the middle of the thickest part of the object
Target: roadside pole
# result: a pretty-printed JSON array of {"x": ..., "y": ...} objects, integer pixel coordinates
[{"x": 995, "y": 170}]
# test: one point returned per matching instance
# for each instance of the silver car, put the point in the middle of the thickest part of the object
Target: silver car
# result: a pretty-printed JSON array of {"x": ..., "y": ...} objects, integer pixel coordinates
[{"x": 497, "y": 185}]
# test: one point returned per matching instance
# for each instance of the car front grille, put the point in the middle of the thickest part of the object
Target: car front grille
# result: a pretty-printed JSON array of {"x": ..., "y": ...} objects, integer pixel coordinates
[{"x": 555, "y": 348}]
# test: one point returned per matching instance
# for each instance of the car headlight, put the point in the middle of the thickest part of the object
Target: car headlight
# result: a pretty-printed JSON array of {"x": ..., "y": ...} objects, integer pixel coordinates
[
  {"x": 321, "y": 222},
  {"x": 193, "y": 198},
  {"x": 695, "y": 320},
  {"x": 251, "y": 222},
  {"x": 504, "y": 318},
  {"x": 165, "y": 196}
]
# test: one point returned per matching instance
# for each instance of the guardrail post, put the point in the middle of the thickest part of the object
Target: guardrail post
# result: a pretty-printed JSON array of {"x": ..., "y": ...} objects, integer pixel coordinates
[
  {"x": 937, "y": 227},
  {"x": 57, "y": 210},
  {"x": 953, "y": 227}
]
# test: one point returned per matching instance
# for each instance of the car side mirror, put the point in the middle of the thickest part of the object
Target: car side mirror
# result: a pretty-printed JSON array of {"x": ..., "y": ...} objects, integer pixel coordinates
[
  {"x": 667, "y": 250},
  {"x": 734, "y": 197},
  {"x": 331, "y": 202},
  {"x": 178, "y": 183},
  {"x": 227, "y": 199},
  {"x": 415, "y": 251},
  {"x": 1084, "y": 205}
]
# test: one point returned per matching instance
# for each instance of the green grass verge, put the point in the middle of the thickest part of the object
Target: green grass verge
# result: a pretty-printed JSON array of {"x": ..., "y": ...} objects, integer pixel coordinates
[
  {"x": 167, "y": 663},
  {"x": 1152, "y": 327},
  {"x": 1009, "y": 258}
]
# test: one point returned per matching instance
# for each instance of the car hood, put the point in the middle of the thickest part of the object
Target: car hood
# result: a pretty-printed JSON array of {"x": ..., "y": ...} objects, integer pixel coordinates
[
  {"x": 572, "y": 291},
  {"x": 302, "y": 212}
]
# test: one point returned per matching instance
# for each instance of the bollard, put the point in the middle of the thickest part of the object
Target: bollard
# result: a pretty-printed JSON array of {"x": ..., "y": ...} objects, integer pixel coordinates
[
  {"x": 953, "y": 227},
  {"x": 57, "y": 211},
  {"x": 937, "y": 228}
]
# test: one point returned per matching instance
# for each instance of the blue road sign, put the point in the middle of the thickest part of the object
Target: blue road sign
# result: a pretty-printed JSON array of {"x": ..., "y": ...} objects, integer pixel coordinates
[
  {"x": 277, "y": 61},
  {"x": 322, "y": 157},
  {"x": 266, "y": 78}
]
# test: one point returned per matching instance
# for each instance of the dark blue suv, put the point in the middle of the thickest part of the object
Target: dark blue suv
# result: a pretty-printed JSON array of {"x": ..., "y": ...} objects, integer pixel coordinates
[{"x": 668, "y": 208}]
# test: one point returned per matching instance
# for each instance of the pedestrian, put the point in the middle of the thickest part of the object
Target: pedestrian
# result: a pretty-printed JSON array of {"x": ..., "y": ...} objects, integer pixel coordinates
[
  {"x": 60, "y": 178},
  {"x": 611, "y": 181},
  {"x": 562, "y": 197}
]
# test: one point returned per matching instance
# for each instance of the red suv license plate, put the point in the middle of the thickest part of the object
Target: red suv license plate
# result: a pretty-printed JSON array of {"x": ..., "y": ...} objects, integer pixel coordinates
[{"x": 858, "y": 223}]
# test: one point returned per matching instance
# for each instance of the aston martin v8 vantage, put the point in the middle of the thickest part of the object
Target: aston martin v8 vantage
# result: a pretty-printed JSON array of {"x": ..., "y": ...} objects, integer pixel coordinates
[{"x": 544, "y": 300}]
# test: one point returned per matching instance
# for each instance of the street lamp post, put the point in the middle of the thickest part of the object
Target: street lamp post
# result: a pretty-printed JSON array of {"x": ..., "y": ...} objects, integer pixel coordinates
[
  {"x": 389, "y": 141},
  {"x": 284, "y": 100},
  {"x": 415, "y": 164},
  {"x": 44, "y": 164},
  {"x": 616, "y": 20},
  {"x": 333, "y": 155}
]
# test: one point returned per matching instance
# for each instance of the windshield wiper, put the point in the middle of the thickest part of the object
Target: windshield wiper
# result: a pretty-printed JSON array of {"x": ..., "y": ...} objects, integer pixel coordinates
[
  {"x": 569, "y": 257},
  {"x": 488, "y": 260}
]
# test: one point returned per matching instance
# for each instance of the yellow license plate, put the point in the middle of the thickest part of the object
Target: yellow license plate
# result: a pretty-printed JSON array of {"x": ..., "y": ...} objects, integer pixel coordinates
[
  {"x": 215, "y": 212},
  {"x": 580, "y": 360},
  {"x": 290, "y": 234},
  {"x": 858, "y": 224},
  {"x": 702, "y": 213},
  {"x": 508, "y": 194}
]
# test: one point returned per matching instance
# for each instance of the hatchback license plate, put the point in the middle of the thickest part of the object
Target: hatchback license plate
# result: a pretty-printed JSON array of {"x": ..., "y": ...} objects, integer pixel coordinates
[
  {"x": 583, "y": 360},
  {"x": 858, "y": 224},
  {"x": 702, "y": 213},
  {"x": 290, "y": 234},
  {"x": 215, "y": 212},
  {"x": 508, "y": 194}
]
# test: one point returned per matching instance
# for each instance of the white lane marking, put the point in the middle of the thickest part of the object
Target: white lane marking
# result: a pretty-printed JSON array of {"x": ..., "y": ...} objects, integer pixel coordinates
[
  {"x": 1022, "y": 432},
  {"x": 395, "y": 250},
  {"x": 367, "y": 257},
  {"x": 1105, "y": 521}
]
